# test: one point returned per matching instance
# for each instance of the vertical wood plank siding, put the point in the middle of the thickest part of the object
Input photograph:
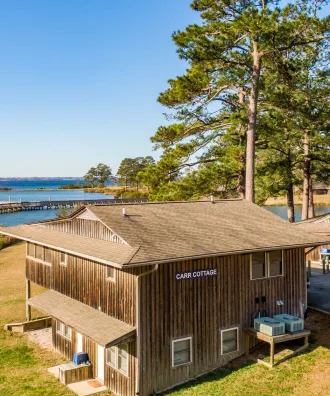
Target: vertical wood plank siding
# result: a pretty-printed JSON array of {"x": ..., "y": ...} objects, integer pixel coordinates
[
  {"x": 119, "y": 383},
  {"x": 202, "y": 307},
  {"x": 62, "y": 344},
  {"x": 171, "y": 309},
  {"x": 85, "y": 281},
  {"x": 84, "y": 227},
  {"x": 39, "y": 273}
]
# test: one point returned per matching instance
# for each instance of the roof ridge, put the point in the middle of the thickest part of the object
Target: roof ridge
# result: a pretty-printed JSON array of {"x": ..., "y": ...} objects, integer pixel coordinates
[{"x": 168, "y": 202}]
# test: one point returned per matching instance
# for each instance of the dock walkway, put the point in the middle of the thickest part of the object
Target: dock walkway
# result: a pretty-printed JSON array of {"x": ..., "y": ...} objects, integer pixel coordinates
[{"x": 8, "y": 207}]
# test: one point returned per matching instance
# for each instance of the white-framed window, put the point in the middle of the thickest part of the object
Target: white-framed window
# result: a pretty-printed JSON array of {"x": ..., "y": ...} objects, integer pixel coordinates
[
  {"x": 117, "y": 357},
  {"x": 181, "y": 351},
  {"x": 111, "y": 273},
  {"x": 30, "y": 250},
  {"x": 111, "y": 356},
  {"x": 48, "y": 255},
  {"x": 40, "y": 252},
  {"x": 266, "y": 264},
  {"x": 63, "y": 259},
  {"x": 229, "y": 340},
  {"x": 64, "y": 330}
]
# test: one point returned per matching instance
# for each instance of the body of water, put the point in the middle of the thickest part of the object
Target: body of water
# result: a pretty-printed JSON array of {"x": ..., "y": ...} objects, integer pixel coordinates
[
  {"x": 282, "y": 211},
  {"x": 27, "y": 190},
  {"x": 35, "y": 184}
]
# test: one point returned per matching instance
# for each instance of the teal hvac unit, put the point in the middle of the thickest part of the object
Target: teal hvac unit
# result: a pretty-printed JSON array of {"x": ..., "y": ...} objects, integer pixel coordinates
[
  {"x": 292, "y": 323},
  {"x": 269, "y": 326}
]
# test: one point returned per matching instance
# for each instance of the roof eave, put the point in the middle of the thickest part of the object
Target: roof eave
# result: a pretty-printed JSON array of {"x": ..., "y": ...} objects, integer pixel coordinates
[
  {"x": 61, "y": 249},
  {"x": 229, "y": 253}
]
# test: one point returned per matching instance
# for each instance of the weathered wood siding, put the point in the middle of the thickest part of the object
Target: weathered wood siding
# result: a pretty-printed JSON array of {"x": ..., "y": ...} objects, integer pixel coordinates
[
  {"x": 202, "y": 307},
  {"x": 119, "y": 383},
  {"x": 315, "y": 255},
  {"x": 62, "y": 344},
  {"x": 85, "y": 281},
  {"x": 40, "y": 273},
  {"x": 85, "y": 227}
]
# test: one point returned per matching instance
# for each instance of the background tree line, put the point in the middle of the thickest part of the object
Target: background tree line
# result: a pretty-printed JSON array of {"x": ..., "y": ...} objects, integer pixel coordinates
[
  {"x": 129, "y": 174},
  {"x": 250, "y": 116}
]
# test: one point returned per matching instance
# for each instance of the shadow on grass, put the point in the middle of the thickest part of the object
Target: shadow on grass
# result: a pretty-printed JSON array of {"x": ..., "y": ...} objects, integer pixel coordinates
[
  {"x": 215, "y": 375},
  {"x": 318, "y": 323}
]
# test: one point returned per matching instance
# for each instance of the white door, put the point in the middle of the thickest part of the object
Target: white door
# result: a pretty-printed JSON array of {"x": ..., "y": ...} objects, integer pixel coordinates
[
  {"x": 100, "y": 362},
  {"x": 79, "y": 347}
]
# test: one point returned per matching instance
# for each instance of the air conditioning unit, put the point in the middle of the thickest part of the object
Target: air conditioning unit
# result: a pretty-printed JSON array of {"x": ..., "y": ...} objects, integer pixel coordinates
[
  {"x": 269, "y": 326},
  {"x": 292, "y": 323}
]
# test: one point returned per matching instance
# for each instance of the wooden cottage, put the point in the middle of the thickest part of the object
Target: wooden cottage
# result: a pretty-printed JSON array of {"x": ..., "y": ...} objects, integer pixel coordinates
[
  {"x": 318, "y": 225},
  {"x": 160, "y": 293}
]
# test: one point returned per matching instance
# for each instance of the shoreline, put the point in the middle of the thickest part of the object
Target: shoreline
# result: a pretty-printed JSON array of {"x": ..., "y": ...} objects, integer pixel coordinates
[{"x": 319, "y": 201}]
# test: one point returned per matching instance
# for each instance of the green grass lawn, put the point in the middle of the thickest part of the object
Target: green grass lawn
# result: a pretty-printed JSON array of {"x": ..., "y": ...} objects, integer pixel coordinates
[{"x": 23, "y": 365}]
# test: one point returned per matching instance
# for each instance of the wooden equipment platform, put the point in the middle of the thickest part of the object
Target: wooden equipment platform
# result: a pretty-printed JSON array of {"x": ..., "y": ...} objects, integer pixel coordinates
[
  {"x": 272, "y": 340},
  {"x": 35, "y": 324}
]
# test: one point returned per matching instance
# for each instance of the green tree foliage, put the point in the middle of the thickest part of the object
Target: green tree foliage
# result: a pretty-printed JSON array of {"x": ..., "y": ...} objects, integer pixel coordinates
[
  {"x": 293, "y": 143},
  {"x": 214, "y": 106},
  {"x": 98, "y": 176},
  {"x": 129, "y": 172}
]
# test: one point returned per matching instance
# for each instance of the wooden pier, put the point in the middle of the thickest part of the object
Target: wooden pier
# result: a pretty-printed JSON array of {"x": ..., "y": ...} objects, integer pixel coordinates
[{"x": 9, "y": 207}]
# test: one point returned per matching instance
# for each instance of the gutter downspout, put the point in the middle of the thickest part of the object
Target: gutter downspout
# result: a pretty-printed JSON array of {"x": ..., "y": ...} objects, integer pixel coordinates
[{"x": 138, "y": 321}]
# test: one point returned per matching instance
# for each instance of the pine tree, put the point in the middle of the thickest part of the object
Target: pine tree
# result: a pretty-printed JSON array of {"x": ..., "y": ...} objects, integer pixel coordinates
[{"x": 228, "y": 55}]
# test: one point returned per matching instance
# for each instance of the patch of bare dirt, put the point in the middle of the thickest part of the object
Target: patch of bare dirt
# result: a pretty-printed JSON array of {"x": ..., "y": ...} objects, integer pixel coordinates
[{"x": 42, "y": 337}]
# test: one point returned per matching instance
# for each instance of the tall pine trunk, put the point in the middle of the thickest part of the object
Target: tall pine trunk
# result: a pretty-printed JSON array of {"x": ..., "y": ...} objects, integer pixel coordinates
[
  {"x": 306, "y": 179},
  {"x": 242, "y": 157},
  {"x": 252, "y": 125},
  {"x": 290, "y": 192},
  {"x": 311, "y": 209}
]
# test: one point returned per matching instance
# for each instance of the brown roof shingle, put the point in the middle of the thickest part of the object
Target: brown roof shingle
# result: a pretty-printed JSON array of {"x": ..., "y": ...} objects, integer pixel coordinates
[
  {"x": 103, "y": 251},
  {"x": 166, "y": 231},
  {"x": 98, "y": 326},
  {"x": 161, "y": 232}
]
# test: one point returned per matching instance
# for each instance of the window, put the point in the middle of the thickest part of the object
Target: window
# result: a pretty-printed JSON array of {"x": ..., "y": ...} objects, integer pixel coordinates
[
  {"x": 67, "y": 332},
  {"x": 111, "y": 356},
  {"x": 117, "y": 357},
  {"x": 63, "y": 259},
  {"x": 266, "y": 264},
  {"x": 63, "y": 330},
  {"x": 258, "y": 265},
  {"x": 181, "y": 351},
  {"x": 111, "y": 274},
  {"x": 39, "y": 252},
  {"x": 123, "y": 358},
  {"x": 59, "y": 327},
  {"x": 275, "y": 263},
  {"x": 229, "y": 340},
  {"x": 30, "y": 250},
  {"x": 48, "y": 255}
]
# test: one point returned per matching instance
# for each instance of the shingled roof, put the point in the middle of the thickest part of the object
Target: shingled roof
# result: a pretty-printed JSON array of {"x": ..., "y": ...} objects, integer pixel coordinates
[
  {"x": 98, "y": 326},
  {"x": 165, "y": 231},
  {"x": 162, "y": 232},
  {"x": 316, "y": 225}
]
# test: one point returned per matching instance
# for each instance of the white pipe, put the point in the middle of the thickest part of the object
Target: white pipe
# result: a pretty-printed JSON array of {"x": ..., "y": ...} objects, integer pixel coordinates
[{"x": 138, "y": 320}]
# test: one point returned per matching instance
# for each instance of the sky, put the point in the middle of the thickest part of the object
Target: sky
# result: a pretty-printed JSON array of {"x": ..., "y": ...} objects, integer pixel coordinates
[{"x": 80, "y": 79}]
